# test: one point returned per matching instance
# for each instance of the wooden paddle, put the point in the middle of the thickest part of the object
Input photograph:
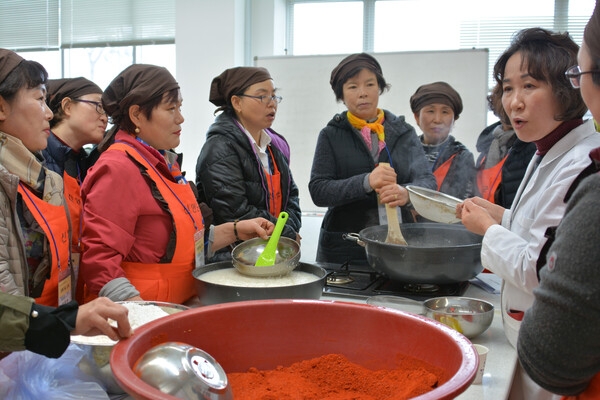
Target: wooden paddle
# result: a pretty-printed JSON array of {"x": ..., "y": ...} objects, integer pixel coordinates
[{"x": 394, "y": 234}]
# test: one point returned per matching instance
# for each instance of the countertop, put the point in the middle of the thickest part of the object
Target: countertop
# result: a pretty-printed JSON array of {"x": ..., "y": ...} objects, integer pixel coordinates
[{"x": 502, "y": 357}]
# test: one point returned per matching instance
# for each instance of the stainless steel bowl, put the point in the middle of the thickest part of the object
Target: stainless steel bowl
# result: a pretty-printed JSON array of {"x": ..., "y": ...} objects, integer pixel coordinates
[
  {"x": 434, "y": 205},
  {"x": 96, "y": 362},
  {"x": 183, "y": 371},
  {"x": 469, "y": 316},
  {"x": 245, "y": 254}
]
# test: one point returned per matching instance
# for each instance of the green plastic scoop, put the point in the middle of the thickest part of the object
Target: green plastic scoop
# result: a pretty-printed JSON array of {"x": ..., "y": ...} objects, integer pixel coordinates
[{"x": 267, "y": 257}]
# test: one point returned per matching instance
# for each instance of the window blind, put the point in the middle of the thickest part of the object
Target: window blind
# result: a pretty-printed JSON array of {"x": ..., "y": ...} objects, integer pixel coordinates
[{"x": 52, "y": 24}]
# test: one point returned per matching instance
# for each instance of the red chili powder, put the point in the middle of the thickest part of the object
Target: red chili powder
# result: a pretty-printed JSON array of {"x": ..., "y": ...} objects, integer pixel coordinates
[{"x": 334, "y": 377}]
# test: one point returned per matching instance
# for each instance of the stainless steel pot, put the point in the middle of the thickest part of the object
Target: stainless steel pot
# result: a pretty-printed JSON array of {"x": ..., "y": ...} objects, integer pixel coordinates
[
  {"x": 214, "y": 293},
  {"x": 436, "y": 253}
]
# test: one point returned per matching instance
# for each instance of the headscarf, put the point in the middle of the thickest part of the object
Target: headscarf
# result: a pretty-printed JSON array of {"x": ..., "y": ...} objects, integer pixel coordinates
[
  {"x": 232, "y": 81},
  {"x": 353, "y": 61},
  {"x": 9, "y": 60},
  {"x": 591, "y": 33},
  {"x": 73, "y": 88},
  {"x": 136, "y": 84},
  {"x": 436, "y": 92}
]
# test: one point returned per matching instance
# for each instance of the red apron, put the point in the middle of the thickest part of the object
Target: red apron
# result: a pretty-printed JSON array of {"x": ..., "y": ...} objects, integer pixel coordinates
[
  {"x": 489, "y": 179},
  {"x": 73, "y": 199},
  {"x": 274, "y": 188},
  {"x": 441, "y": 171},
  {"x": 172, "y": 282},
  {"x": 53, "y": 221}
]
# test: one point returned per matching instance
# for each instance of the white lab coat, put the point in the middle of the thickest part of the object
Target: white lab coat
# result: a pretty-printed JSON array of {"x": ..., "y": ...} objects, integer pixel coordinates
[{"x": 511, "y": 250}]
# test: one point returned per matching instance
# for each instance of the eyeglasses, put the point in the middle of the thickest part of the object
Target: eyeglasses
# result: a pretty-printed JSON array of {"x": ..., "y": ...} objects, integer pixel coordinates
[
  {"x": 99, "y": 107},
  {"x": 264, "y": 99},
  {"x": 574, "y": 74}
]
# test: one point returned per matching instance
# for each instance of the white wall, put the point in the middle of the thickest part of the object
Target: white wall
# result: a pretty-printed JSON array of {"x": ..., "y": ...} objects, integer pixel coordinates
[{"x": 210, "y": 37}]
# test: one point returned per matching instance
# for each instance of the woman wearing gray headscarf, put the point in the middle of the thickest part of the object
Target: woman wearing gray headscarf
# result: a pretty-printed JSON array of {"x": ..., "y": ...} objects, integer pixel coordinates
[
  {"x": 565, "y": 358},
  {"x": 243, "y": 170},
  {"x": 143, "y": 231}
]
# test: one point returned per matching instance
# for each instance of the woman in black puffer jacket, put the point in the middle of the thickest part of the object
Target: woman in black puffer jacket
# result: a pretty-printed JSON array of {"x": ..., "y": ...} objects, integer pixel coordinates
[{"x": 243, "y": 169}]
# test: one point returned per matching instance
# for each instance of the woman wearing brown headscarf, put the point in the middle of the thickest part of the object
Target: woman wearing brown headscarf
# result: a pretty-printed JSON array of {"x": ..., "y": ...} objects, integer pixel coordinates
[
  {"x": 143, "y": 229},
  {"x": 243, "y": 169},
  {"x": 347, "y": 176},
  {"x": 564, "y": 358},
  {"x": 436, "y": 106},
  {"x": 34, "y": 257},
  {"x": 79, "y": 119}
]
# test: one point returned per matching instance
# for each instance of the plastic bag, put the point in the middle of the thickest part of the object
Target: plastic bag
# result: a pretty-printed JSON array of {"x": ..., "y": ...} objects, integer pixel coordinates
[{"x": 25, "y": 375}]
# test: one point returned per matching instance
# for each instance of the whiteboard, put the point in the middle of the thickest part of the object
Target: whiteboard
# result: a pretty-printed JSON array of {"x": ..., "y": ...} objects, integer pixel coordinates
[{"x": 309, "y": 102}]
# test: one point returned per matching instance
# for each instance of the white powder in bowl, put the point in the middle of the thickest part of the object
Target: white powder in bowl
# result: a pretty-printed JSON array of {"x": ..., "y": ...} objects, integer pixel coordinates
[
  {"x": 232, "y": 277},
  {"x": 139, "y": 314}
]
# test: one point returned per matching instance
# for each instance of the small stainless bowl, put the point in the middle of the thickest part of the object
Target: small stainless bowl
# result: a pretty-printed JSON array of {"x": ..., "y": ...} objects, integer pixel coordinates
[
  {"x": 245, "y": 254},
  {"x": 183, "y": 371},
  {"x": 96, "y": 363},
  {"x": 469, "y": 316}
]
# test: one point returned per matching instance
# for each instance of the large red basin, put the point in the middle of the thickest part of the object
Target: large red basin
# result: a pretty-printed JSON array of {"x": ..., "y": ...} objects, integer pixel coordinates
[{"x": 269, "y": 333}]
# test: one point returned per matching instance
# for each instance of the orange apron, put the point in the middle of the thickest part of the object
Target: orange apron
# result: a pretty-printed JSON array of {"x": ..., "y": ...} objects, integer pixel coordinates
[
  {"x": 274, "y": 188},
  {"x": 592, "y": 392},
  {"x": 171, "y": 282},
  {"x": 73, "y": 199},
  {"x": 489, "y": 179},
  {"x": 441, "y": 171},
  {"x": 53, "y": 221}
]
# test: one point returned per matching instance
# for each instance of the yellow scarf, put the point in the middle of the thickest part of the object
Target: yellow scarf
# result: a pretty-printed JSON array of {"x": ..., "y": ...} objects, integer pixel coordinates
[{"x": 376, "y": 126}]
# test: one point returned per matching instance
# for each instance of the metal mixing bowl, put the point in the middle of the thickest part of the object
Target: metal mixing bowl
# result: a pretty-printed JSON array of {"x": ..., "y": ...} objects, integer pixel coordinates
[
  {"x": 245, "y": 254},
  {"x": 469, "y": 316},
  {"x": 98, "y": 348},
  {"x": 433, "y": 205},
  {"x": 183, "y": 371}
]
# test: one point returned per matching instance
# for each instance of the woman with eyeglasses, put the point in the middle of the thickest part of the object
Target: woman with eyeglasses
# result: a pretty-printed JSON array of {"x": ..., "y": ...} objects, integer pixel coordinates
[
  {"x": 37, "y": 312},
  {"x": 79, "y": 119},
  {"x": 558, "y": 340},
  {"x": 143, "y": 230},
  {"x": 348, "y": 174},
  {"x": 543, "y": 108},
  {"x": 243, "y": 170}
]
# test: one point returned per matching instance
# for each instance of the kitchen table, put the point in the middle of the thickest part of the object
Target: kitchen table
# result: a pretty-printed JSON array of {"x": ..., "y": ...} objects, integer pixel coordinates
[{"x": 502, "y": 357}]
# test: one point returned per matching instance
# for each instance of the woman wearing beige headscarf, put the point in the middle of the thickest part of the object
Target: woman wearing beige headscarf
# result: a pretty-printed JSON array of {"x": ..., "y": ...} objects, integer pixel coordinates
[
  {"x": 564, "y": 359},
  {"x": 143, "y": 231},
  {"x": 243, "y": 170}
]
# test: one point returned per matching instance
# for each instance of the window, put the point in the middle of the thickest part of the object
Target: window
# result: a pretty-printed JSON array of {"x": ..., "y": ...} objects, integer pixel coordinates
[
  {"x": 327, "y": 27},
  {"x": 92, "y": 39},
  {"x": 413, "y": 25}
]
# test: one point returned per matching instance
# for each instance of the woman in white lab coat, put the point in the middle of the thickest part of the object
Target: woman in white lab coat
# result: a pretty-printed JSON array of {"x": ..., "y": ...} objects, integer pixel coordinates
[{"x": 543, "y": 109}]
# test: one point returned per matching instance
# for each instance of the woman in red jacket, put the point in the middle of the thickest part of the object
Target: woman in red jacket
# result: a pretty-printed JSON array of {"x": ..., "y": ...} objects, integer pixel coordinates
[{"x": 144, "y": 232}]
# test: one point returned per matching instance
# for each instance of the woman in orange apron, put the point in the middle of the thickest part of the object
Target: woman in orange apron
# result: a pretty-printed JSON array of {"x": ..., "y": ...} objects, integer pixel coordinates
[
  {"x": 143, "y": 231},
  {"x": 436, "y": 106},
  {"x": 78, "y": 120},
  {"x": 243, "y": 170},
  {"x": 559, "y": 335},
  {"x": 36, "y": 310}
]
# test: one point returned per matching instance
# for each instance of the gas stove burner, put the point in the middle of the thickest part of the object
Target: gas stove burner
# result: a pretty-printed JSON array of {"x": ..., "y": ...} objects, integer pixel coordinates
[
  {"x": 422, "y": 288},
  {"x": 339, "y": 278}
]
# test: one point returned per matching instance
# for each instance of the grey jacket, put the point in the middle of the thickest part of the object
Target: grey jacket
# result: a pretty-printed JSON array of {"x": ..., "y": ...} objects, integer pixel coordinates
[{"x": 558, "y": 339}]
